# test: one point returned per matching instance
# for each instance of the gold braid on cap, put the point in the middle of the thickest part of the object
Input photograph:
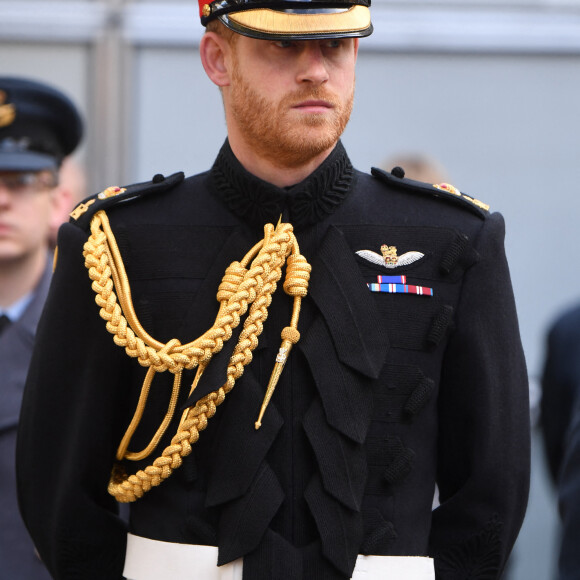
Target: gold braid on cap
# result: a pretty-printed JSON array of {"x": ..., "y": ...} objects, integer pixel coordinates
[{"x": 241, "y": 287}]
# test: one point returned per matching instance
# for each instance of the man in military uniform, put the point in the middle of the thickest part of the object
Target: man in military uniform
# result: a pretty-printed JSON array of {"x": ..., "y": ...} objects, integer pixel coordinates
[
  {"x": 38, "y": 127},
  {"x": 284, "y": 435}
]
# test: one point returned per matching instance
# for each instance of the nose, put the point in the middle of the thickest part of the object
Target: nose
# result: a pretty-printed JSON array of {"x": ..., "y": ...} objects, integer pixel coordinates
[{"x": 313, "y": 67}]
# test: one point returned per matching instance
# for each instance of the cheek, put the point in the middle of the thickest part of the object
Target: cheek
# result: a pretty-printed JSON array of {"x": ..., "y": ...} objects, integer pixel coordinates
[
  {"x": 344, "y": 76},
  {"x": 38, "y": 215},
  {"x": 273, "y": 87},
  {"x": 345, "y": 86}
]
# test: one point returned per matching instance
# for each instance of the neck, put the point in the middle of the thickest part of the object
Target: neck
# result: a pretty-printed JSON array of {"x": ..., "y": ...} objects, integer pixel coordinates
[
  {"x": 19, "y": 277},
  {"x": 269, "y": 169}
]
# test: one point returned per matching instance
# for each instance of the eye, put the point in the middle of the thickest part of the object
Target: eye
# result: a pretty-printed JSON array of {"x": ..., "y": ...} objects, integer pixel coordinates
[
  {"x": 284, "y": 43},
  {"x": 334, "y": 43}
]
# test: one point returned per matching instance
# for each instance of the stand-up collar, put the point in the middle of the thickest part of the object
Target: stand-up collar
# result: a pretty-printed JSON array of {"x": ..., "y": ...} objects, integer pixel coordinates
[{"x": 258, "y": 202}]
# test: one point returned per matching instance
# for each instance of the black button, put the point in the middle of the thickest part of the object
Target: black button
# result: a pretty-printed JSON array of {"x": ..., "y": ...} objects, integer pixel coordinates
[{"x": 398, "y": 172}]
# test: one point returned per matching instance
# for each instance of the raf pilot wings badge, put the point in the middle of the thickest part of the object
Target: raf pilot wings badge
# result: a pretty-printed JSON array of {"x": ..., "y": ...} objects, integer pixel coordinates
[{"x": 389, "y": 258}]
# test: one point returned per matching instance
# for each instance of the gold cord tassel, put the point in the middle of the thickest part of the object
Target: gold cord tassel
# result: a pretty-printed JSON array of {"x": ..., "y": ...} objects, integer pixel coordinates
[
  {"x": 281, "y": 359},
  {"x": 296, "y": 284},
  {"x": 276, "y": 372}
]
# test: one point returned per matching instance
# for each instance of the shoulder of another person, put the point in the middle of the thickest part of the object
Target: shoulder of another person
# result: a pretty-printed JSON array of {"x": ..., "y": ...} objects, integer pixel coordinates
[
  {"x": 84, "y": 211},
  {"x": 566, "y": 327},
  {"x": 443, "y": 191}
]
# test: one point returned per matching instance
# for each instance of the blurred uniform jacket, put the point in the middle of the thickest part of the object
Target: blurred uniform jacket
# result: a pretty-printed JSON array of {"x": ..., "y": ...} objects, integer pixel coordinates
[
  {"x": 569, "y": 500},
  {"x": 560, "y": 385},
  {"x": 384, "y": 394},
  {"x": 18, "y": 560},
  {"x": 560, "y": 423}
]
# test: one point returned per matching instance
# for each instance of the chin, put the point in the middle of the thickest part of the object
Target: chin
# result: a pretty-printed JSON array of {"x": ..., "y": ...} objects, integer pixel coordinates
[
  {"x": 302, "y": 151},
  {"x": 312, "y": 141}
]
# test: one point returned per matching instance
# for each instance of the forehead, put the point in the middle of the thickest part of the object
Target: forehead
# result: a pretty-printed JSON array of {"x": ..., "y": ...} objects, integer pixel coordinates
[{"x": 259, "y": 46}]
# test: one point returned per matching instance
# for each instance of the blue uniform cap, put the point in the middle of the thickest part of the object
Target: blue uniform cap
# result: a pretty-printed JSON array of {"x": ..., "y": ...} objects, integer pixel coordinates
[{"x": 39, "y": 125}]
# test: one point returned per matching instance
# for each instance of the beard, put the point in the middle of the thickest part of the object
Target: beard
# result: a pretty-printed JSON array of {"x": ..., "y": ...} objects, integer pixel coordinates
[{"x": 272, "y": 132}]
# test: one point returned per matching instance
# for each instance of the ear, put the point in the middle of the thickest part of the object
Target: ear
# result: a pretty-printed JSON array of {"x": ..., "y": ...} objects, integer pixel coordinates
[
  {"x": 355, "y": 48},
  {"x": 214, "y": 51},
  {"x": 71, "y": 189},
  {"x": 62, "y": 202}
]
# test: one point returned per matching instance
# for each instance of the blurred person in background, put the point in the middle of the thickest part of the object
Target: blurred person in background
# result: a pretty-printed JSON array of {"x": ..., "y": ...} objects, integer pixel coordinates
[
  {"x": 407, "y": 368},
  {"x": 560, "y": 386},
  {"x": 39, "y": 126},
  {"x": 569, "y": 500},
  {"x": 72, "y": 185},
  {"x": 560, "y": 428},
  {"x": 418, "y": 166}
]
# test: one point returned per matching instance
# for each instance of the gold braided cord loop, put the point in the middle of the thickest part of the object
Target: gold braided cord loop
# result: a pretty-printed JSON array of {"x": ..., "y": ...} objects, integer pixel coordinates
[
  {"x": 246, "y": 287},
  {"x": 297, "y": 276},
  {"x": 122, "y": 452}
]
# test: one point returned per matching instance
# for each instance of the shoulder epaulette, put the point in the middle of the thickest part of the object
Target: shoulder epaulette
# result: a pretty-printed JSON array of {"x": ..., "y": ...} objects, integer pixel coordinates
[
  {"x": 85, "y": 210},
  {"x": 444, "y": 191}
]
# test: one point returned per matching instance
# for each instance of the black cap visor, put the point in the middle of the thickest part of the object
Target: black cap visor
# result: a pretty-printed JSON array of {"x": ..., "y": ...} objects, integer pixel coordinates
[{"x": 26, "y": 161}]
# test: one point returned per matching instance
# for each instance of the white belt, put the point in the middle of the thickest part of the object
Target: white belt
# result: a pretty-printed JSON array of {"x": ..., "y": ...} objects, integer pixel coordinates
[{"x": 148, "y": 559}]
